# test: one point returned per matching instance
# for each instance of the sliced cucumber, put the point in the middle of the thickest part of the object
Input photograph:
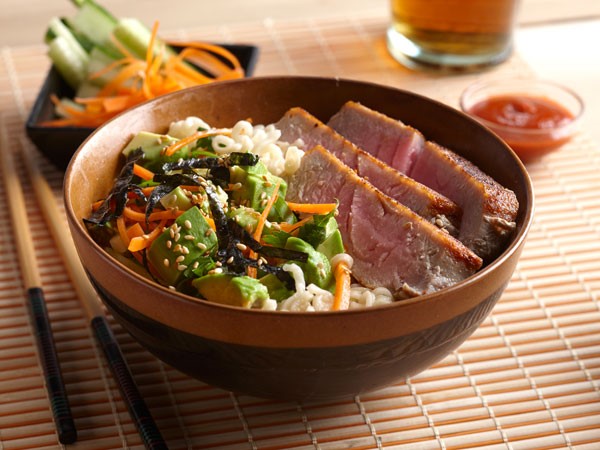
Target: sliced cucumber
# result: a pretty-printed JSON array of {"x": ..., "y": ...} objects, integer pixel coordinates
[
  {"x": 85, "y": 42},
  {"x": 87, "y": 89},
  {"x": 100, "y": 57},
  {"x": 57, "y": 28},
  {"x": 134, "y": 35},
  {"x": 95, "y": 22},
  {"x": 69, "y": 61}
]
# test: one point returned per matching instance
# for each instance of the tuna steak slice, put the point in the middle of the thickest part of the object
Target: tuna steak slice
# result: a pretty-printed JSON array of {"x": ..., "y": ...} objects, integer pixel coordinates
[
  {"x": 299, "y": 124},
  {"x": 488, "y": 209},
  {"x": 391, "y": 245}
]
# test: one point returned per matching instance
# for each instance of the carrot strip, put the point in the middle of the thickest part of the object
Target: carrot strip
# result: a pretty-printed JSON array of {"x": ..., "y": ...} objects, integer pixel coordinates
[
  {"x": 155, "y": 216},
  {"x": 252, "y": 272},
  {"x": 312, "y": 208},
  {"x": 121, "y": 228},
  {"x": 341, "y": 299},
  {"x": 289, "y": 227},
  {"x": 192, "y": 138},
  {"x": 142, "y": 172},
  {"x": 134, "y": 230},
  {"x": 145, "y": 240}
]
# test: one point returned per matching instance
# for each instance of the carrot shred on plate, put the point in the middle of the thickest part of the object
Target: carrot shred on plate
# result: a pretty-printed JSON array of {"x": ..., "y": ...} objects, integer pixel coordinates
[
  {"x": 138, "y": 243},
  {"x": 137, "y": 80}
]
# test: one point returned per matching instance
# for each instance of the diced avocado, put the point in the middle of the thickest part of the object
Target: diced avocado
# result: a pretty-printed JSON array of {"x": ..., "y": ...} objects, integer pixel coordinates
[
  {"x": 151, "y": 144},
  {"x": 318, "y": 230},
  {"x": 231, "y": 290},
  {"x": 191, "y": 232},
  {"x": 317, "y": 269},
  {"x": 257, "y": 186},
  {"x": 277, "y": 289},
  {"x": 176, "y": 199},
  {"x": 246, "y": 218},
  {"x": 332, "y": 246}
]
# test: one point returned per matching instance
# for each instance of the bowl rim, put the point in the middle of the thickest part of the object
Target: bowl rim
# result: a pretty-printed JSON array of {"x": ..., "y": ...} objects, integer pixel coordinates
[
  {"x": 524, "y": 82},
  {"x": 514, "y": 246}
]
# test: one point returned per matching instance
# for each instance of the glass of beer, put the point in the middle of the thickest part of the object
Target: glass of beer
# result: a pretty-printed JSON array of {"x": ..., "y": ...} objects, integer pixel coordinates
[{"x": 462, "y": 35}]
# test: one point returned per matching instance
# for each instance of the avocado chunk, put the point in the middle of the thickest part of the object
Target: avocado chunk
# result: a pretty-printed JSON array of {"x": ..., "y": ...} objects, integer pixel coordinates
[
  {"x": 228, "y": 289},
  {"x": 258, "y": 185},
  {"x": 152, "y": 144},
  {"x": 333, "y": 245},
  {"x": 317, "y": 269},
  {"x": 176, "y": 199},
  {"x": 174, "y": 252},
  {"x": 276, "y": 287}
]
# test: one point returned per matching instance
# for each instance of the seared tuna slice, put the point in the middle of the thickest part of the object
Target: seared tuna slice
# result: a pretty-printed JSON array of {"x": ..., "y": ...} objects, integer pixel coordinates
[
  {"x": 488, "y": 209},
  {"x": 391, "y": 245},
  {"x": 299, "y": 124}
]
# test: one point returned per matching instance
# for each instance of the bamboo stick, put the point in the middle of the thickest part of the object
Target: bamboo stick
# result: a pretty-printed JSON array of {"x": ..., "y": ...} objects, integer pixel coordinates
[
  {"x": 89, "y": 299},
  {"x": 61, "y": 411}
]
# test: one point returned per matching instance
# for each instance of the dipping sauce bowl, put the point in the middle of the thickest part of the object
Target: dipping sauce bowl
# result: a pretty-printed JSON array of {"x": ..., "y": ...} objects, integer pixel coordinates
[{"x": 534, "y": 117}]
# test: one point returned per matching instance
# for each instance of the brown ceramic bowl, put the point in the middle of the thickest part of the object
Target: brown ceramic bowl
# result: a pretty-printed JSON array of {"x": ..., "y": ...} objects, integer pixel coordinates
[{"x": 301, "y": 356}]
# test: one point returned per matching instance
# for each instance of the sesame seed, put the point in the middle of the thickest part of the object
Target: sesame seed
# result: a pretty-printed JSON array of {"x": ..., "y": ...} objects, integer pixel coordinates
[
  {"x": 218, "y": 270},
  {"x": 188, "y": 224},
  {"x": 189, "y": 237},
  {"x": 201, "y": 246},
  {"x": 263, "y": 195},
  {"x": 181, "y": 267},
  {"x": 166, "y": 262},
  {"x": 218, "y": 264},
  {"x": 185, "y": 250},
  {"x": 171, "y": 233},
  {"x": 267, "y": 184},
  {"x": 169, "y": 244},
  {"x": 172, "y": 288},
  {"x": 230, "y": 260},
  {"x": 260, "y": 263},
  {"x": 241, "y": 246},
  {"x": 208, "y": 232},
  {"x": 195, "y": 265},
  {"x": 176, "y": 237},
  {"x": 179, "y": 259},
  {"x": 177, "y": 248}
]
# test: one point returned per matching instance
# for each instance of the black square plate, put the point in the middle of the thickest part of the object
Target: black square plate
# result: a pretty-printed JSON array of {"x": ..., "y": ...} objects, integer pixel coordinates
[{"x": 59, "y": 143}]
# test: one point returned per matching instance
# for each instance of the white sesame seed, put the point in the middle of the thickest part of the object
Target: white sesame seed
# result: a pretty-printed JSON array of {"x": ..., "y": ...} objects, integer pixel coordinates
[
  {"x": 179, "y": 259},
  {"x": 185, "y": 250},
  {"x": 188, "y": 224},
  {"x": 230, "y": 260},
  {"x": 195, "y": 265},
  {"x": 201, "y": 246},
  {"x": 189, "y": 237},
  {"x": 218, "y": 264},
  {"x": 241, "y": 246},
  {"x": 166, "y": 262},
  {"x": 208, "y": 232},
  {"x": 171, "y": 233},
  {"x": 169, "y": 244},
  {"x": 176, "y": 237},
  {"x": 181, "y": 267}
]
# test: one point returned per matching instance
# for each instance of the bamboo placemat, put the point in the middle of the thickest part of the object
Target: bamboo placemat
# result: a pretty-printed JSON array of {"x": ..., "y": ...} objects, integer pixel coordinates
[{"x": 527, "y": 379}]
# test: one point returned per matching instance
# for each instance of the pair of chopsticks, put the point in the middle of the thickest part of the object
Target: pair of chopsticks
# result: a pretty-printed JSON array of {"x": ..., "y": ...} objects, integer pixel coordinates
[{"x": 63, "y": 418}]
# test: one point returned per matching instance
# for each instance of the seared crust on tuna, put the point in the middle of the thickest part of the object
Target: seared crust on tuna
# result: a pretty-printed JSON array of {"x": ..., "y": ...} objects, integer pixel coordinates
[
  {"x": 391, "y": 245},
  {"x": 488, "y": 209},
  {"x": 434, "y": 207}
]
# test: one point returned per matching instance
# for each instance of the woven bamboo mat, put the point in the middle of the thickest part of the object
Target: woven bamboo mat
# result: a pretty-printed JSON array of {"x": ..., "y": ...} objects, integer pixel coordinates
[{"x": 527, "y": 379}]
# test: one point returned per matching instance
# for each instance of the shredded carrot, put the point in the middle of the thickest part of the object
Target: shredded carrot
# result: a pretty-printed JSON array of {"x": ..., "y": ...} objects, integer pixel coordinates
[
  {"x": 168, "y": 151},
  {"x": 252, "y": 272},
  {"x": 341, "y": 298},
  {"x": 137, "y": 216},
  {"x": 122, "y": 229},
  {"x": 289, "y": 227},
  {"x": 134, "y": 230},
  {"x": 141, "y": 242},
  {"x": 142, "y": 172},
  {"x": 137, "y": 80},
  {"x": 312, "y": 208}
]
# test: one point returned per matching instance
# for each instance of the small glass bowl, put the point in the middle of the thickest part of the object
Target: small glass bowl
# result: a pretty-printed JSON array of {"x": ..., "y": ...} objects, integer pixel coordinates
[{"x": 528, "y": 143}]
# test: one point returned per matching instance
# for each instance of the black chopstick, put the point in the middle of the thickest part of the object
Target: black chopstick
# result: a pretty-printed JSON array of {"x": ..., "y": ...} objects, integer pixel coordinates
[
  {"x": 138, "y": 410},
  {"x": 59, "y": 403}
]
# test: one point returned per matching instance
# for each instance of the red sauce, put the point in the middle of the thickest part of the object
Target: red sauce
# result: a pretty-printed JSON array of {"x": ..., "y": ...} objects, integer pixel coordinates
[{"x": 526, "y": 113}]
